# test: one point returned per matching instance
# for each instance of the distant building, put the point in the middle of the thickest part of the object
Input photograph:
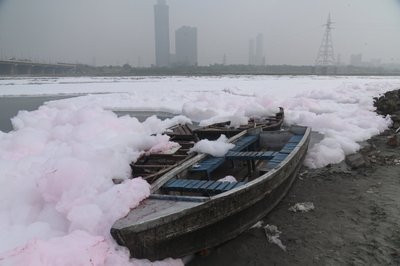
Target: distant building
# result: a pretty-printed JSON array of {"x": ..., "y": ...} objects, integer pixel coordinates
[
  {"x": 356, "y": 60},
  {"x": 256, "y": 51},
  {"x": 186, "y": 46},
  {"x": 161, "y": 27}
]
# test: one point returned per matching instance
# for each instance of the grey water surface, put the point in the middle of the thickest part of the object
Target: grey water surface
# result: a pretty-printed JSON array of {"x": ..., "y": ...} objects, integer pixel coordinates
[{"x": 10, "y": 106}]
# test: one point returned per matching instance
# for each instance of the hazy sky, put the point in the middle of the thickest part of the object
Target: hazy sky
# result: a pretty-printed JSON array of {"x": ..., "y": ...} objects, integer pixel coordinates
[{"x": 121, "y": 31}]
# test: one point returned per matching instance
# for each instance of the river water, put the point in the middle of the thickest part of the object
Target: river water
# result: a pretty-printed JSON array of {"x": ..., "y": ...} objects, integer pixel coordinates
[{"x": 10, "y": 106}]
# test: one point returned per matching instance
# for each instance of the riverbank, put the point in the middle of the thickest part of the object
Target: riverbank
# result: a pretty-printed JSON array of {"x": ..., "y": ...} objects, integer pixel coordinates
[{"x": 355, "y": 221}]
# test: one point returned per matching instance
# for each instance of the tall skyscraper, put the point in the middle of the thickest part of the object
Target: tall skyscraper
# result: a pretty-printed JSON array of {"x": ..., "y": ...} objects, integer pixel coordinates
[
  {"x": 186, "y": 46},
  {"x": 161, "y": 29},
  {"x": 256, "y": 51}
]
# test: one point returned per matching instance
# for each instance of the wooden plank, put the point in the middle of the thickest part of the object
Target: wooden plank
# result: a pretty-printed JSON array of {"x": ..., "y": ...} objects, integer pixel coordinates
[
  {"x": 208, "y": 165},
  {"x": 287, "y": 151},
  {"x": 230, "y": 186},
  {"x": 178, "y": 198},
  {"x": 170, "y": 182},
  {"x": 188, "y": 130},
  {"x": 184, "y": 183},
  {"x": 280, "y": 156},
  {"x": 173, "y": 183},
  {"x": 199, "y": 184},
  {"x": 213, "y": 186},
  {"x": 251, "y": 155},
  {"x": 238, "y": 184},
  {"x": 245, "y": 142},
  {"x": 192, "y": 184},
  {"x": 222, "y": 186},
  {"x": 150, "y": 165},
  {"x": 206, "y": 185},
  {"x": 295, "y": 138}
]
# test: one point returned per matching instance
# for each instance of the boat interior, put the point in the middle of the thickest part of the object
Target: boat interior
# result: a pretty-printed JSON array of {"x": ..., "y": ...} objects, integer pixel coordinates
[
  {"x": 256, "y": 152},
  {"x": 152, "y": 166}
]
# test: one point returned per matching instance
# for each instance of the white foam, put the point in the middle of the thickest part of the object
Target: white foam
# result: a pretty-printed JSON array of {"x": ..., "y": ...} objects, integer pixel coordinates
[
  {"x": 57, "y": 198},
  {"x": 216, "y": 148}
]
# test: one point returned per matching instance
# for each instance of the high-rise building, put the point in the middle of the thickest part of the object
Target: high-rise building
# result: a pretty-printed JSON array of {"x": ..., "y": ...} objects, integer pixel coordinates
[
  {"x": 161, "y": 27},
  {"x": 256, "y": 51},
  {"x": 186, "y": 46}
]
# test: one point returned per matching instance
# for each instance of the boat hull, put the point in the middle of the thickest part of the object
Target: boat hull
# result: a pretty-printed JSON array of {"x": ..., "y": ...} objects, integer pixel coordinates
[{"x": 215, "y": 221}]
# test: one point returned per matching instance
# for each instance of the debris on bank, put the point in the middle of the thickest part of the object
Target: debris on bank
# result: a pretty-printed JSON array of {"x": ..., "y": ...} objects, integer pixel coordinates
[
  {"x": 302, "y": 207},
  {"x": 272, "y": 233},
  {"x": 355, "y": 161},
  {"x": 259, "y": 224}
]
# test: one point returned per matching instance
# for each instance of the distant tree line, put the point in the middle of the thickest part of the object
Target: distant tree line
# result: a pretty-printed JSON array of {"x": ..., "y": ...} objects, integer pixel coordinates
[{"x": 219, "y": 69}]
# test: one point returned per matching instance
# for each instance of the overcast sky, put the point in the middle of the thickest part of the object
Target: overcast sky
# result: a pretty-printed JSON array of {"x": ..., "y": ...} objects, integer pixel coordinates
[{"x": 121, "y": 31}]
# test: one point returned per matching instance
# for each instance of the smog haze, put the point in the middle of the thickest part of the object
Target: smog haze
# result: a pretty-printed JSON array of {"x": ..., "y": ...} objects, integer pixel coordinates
[{"x": 102, "y": 32}]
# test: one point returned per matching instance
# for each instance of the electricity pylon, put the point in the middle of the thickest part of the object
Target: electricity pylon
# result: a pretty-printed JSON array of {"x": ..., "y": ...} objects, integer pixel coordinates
[{"x": 326, "y": 55}]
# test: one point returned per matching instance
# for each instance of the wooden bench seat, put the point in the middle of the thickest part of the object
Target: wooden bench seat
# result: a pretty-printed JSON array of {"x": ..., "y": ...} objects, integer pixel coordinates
[
  {"x": 274, "y": 162},
  {"x": 250, "y": 155},
  {"x": 295, "y": 139},
  {"x": 288, "y": 148},
  {"x": 211, "y": 163},
  {"x": 244, "y": 142},
  {"x": 199, "y": 186},
  {"x": 208, "y": 165}
]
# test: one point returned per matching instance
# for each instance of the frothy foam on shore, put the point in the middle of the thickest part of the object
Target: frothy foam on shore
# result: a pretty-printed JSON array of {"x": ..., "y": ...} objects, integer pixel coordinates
[{"x": 58, "y": 201}]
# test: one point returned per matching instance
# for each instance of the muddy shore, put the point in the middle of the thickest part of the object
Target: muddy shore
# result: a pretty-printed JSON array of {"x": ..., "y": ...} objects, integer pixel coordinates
[{"x": 356, "y": 219}]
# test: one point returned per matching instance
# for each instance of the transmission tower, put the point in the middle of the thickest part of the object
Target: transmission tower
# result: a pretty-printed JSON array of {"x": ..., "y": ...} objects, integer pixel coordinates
[{"x": 326, "y": 56}]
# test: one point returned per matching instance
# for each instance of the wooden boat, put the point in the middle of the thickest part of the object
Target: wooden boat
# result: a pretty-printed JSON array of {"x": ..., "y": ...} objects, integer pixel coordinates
[
  {"x": 152, "y": 166},
  {"x": 267, "y": 123},
  {"x": 190, "y": 209}
]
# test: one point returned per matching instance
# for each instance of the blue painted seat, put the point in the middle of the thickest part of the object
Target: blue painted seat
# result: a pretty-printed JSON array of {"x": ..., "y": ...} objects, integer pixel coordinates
[
  {"x": 250, "y": 155},
  {"x": 288, "y": 148},
  {"x": 199, "y": 186},
  {"x": 295, "y": 139},
  {"x": 276, "y": 160},
  {"x": 208, "y": 165},
  {"x": 244, "y": 142},
  {"x": 211, "y": 163}
]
